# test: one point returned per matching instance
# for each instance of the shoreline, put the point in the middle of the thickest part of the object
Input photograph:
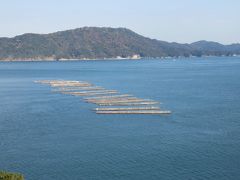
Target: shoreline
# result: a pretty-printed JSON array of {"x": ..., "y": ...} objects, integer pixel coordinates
[
  {"x": 63, "y": 60},
  {"x": 111, "y": 59}
]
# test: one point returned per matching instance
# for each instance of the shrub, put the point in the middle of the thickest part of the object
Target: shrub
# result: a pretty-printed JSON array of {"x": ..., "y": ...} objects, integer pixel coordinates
[{"x": 10, "y": 176}]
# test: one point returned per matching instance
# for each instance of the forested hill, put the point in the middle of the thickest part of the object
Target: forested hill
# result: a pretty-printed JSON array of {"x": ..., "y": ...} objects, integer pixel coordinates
[{"x": 98, "y": 43}]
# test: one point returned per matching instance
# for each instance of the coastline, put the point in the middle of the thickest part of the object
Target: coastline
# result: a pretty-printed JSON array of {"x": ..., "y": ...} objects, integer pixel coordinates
[
  {"x": 49, "y": 59},
  {"x": 106, "y": 59}
]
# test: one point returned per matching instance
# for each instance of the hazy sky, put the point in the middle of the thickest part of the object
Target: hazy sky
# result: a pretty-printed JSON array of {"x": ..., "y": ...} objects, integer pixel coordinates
[{"x": 170, "y": 20}]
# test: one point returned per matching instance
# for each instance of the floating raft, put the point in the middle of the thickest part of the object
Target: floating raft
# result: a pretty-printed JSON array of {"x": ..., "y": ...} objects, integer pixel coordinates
[
  {"x": 127, "y": 109},
  {"x": 107, "y": 97},
  {"x": 89, "y": 88},
  {"x": 114, "y": 100},
  {"x": 90, "y": 93},
  {"x": 102, "y": 97},
  {"x": 70, "y": 85},
  {"x": 60, "y": 83},
  {"x": 129, "y": 103},
  {"x": 134, "y": 112}
]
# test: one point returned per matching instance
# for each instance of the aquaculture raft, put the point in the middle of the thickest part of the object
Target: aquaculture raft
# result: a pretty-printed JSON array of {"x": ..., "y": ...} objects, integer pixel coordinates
[{"x": 112, "y": 100}]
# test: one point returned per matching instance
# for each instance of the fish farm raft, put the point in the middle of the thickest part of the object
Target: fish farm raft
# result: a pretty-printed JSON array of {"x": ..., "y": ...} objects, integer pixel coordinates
[{"x": 108, "y": 101}]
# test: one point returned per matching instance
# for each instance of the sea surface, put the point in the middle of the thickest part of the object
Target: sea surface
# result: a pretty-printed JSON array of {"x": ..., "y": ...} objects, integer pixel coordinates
[{"x": 51, "y": 136}]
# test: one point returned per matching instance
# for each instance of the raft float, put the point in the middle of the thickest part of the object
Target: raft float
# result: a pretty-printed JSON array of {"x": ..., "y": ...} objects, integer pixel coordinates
[{"x": 102, "y": 97}]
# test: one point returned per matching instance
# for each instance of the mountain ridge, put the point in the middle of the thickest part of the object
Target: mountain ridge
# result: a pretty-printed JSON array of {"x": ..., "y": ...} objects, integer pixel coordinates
[{"x": 103, "y": 42}]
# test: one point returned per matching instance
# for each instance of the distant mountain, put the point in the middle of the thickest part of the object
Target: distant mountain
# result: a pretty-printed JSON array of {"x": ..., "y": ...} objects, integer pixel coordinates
[
  {"x": 98, "y": 43},
  {"x": 214, "y": 48}
]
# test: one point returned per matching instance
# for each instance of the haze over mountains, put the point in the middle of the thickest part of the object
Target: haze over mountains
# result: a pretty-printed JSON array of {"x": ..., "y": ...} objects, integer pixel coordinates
[{"x": 99, "y": 43}]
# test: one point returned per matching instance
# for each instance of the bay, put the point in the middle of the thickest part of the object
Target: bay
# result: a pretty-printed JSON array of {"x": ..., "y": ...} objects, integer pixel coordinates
[{"x": 46, "y": 135}]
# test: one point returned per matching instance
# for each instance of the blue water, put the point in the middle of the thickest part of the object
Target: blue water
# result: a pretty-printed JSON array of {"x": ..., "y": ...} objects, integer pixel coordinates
[{"x": 44, "y": 135}]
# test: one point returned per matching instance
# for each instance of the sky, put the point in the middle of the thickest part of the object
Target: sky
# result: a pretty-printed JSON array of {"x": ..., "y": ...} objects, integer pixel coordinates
[{"x": 182, "y": 21}]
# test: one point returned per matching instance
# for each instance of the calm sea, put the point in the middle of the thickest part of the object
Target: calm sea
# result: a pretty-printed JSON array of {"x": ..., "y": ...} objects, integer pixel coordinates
[{"x": 45, "y": 135}]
